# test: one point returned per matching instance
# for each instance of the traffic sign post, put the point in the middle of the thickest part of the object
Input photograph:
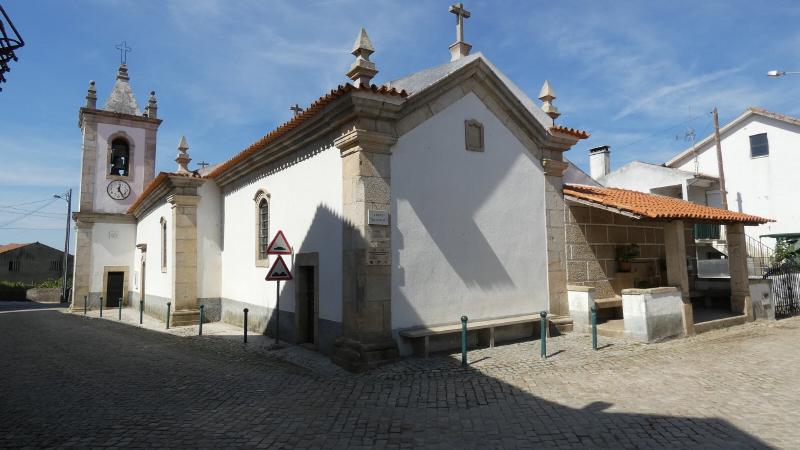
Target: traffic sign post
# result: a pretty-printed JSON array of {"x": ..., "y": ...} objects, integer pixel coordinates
[{"x": 279, "y": 271}]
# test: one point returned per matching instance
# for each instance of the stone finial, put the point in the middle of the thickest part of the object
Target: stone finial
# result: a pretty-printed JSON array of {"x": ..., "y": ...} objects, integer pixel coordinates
[
  {"x": 122, "y": 72},
  {"x": 460, "y": 48},
  {"x": 362, "y": 70},
  {"x": 183, "y": 158},
  {"x": 151, "y": 110},
  {"x": 547, "y": 95},
  {"x": 91, "y": 96}
]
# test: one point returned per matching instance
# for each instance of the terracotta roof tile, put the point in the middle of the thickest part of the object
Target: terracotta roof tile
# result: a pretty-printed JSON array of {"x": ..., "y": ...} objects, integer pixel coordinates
[
  {"x": 8, "y": 247},
  {"x": 656, "y": 206},
  {"x": 580, "y": 134},
  {"x": 304, "y": 116},
  {"x": 154, "y": 183}
]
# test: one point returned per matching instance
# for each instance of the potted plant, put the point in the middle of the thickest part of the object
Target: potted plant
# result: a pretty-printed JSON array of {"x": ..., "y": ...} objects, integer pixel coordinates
[{"x": 626, "y": 254}]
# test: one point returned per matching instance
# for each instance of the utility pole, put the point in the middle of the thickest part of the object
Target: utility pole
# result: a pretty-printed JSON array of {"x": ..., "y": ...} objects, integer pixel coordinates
[
  {"x": 722, "y": 191},
  {"x": 68, "y": 199}
]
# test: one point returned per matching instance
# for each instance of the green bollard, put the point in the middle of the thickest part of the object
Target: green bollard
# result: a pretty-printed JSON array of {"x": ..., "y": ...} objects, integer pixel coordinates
[
  {"x": 120, "y": 309},
  {"x": 200, "y": 330},
  {"x": 169, "y": 304},
  {"x": 543, "y": 325},
  {"x": 245, "y": 325},
  {"x": 594, "y": 327},
  {"x": 85, "y": 304},
  {"x": 464, "y": 320},
  {"x": 101, "y": 306},
  {"x": 141, "y": 311}
]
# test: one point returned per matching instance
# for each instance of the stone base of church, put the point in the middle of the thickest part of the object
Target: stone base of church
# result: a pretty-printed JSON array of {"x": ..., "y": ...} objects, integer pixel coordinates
[
  {"x": 358, "y": 356},
  {"x": 184, "y": 317}
]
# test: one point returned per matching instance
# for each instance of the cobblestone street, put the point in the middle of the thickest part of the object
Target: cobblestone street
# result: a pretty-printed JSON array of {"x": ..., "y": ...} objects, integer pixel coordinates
[{"x": 73, "y": 381}]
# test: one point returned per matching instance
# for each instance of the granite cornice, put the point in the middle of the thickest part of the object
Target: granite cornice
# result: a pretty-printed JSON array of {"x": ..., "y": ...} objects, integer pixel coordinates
[{"x": 103, "y": 116}]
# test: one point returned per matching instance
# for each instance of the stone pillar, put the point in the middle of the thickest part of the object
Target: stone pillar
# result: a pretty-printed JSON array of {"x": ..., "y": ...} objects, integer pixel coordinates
[
  {"x": 82, "y": 264},
  {"x": 366, "y": 253},
  {"x": 741, "y": 303},
  {"x": 88, "y": 162},
  {"x": 677, "y": 272},
  {"x": 184, "y": 261},
  {"x": 555, "y": 209}
]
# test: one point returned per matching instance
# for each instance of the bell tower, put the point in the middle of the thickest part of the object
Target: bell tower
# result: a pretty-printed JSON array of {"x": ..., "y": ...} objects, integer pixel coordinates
[{"x": 118, "y": 162}]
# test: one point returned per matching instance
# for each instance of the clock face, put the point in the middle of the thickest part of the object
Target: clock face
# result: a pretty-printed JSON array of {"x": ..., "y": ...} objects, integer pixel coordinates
[{"x": 118, "y": 190}]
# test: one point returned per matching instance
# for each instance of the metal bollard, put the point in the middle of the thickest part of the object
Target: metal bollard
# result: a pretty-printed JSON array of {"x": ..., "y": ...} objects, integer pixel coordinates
[
  {"x": 141, "y": 311},
  {"x": 594, "y": 327},
  {"x": 120, "y": 309},
  {"x": 169, "y": 304},
  {"x": 200, "y": 330},
  {"x": 464, "y": 320},
  {"x": 85, "y": 304},
  {"x": 543, "y": 326},
  {"x": 245, "y": 324},
  {"x": 101, "y": 306}
]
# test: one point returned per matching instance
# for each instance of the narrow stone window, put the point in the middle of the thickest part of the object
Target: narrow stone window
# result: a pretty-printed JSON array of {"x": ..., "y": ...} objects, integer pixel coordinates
[
  {"x": 120, "y": 156},
  {"x": 262, "y": 227},
  {"x": 163, "y": 245},
  {"x": 473, "y": 135}
]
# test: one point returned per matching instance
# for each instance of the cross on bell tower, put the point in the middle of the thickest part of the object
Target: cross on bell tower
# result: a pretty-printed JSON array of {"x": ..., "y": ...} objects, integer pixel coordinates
[
  {"x": 123, "y": 52},
  {"x": 460, "y": 48}
]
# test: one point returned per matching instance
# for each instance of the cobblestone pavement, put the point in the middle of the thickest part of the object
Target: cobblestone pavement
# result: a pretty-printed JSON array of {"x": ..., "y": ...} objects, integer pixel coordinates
[{"x": 71, "y": 381}]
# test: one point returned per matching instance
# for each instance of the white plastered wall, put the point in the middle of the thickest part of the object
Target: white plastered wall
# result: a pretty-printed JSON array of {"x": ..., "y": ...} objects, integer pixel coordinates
[
  {"x": 209, "y": 240},
  {"x": 468, "y": 228},
  {"x": 102, "y": 202},
  {"x": 305, "y": 202},
  {"x": 112, "y": 245},
  {"x": 762, "y": 186},
  {"x": 148, "y": 231}
]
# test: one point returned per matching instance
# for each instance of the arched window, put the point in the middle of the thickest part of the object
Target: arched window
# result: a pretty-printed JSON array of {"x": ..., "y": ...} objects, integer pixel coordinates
[
  {"x": 163, "y": 245},
  {"x": 120, "y": 157},
  {"x": 262, "y": 227}
]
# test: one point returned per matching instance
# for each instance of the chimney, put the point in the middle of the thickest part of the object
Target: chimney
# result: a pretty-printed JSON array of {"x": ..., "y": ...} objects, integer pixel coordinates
[{"x": 599, "y": 161}]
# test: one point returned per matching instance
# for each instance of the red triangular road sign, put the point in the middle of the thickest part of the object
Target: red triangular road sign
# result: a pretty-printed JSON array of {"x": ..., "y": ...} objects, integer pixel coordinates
[
  {"x": 279, "y": 271},
  {"x": 279, "y": 245}
]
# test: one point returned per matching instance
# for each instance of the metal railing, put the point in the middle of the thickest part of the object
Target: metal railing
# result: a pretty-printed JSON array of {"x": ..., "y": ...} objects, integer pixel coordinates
[
  {"x": 706, "y": 231},
  {"x": 761, "y": 255}
]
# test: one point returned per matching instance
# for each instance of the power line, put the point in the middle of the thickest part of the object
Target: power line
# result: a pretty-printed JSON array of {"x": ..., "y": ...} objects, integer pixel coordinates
[
  {"x": 659, "y": 132},
  {"x": 28, "y": 214},
  {"x": 35, "y": 214},
  {"x": 29, "y": 228},
  {"x": 26, "y": 203}
]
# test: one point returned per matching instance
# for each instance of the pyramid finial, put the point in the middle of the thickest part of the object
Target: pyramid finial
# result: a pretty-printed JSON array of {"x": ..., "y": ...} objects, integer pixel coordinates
[
  {"x": 547, "y": 95},
  {"x": 91, "y": 96},
  {"x": 151, "y": 110},
  {"x": 183, "y": 158},
  {"x": 362, "y": 70}
]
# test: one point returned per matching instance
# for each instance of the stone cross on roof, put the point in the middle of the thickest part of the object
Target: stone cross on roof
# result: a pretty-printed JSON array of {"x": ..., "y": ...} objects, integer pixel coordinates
[
  {"x": 123, "y": 52},
  {"x": 296, "y": 109},
  {"x": 460, "y": 48}
]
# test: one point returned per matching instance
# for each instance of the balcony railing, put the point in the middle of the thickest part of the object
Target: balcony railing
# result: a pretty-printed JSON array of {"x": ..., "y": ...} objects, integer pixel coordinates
[{"x": 706, "y": 231}]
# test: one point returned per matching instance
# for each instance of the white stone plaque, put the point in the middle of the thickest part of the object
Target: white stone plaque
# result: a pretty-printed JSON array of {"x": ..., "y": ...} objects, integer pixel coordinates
[{"x": 377, "y": 217}]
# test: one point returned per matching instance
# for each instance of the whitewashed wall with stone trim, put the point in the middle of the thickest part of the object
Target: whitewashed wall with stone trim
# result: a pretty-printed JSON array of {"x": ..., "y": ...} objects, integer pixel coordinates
[
  {"x": 468, "y": 228},
  {"x": 112, "y": 245},
  {"x": 148, "y": 231},
  {"x": 102, "y": 202},
  {"x": 305, "y": 202},
  {"x": 209, "y": 240}
]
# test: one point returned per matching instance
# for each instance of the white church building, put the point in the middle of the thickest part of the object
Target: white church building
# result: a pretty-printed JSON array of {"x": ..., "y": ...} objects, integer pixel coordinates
[{"x": 407, "y": 205}]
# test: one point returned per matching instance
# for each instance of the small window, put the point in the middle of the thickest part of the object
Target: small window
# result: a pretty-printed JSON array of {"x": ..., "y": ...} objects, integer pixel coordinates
[
  {"x": 473, "y": 135},
  {"x": 263, "y": 228},
  {"x": 13, "y": 266},
  {"x": 55, "y": 265},
  {"x": 120, "y": 155},
  {"x": 759, "y": 146},
  {"x": 163, "y": 245}
]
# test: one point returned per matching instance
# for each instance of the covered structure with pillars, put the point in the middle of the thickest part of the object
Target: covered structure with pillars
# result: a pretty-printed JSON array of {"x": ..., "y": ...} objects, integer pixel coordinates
[{"x": 622, "y": 243}]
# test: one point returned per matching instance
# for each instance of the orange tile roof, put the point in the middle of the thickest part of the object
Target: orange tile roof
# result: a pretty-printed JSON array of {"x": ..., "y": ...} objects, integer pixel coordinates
[
  {"x": 8, "y": 247},
  {"x": 580, "y": 134},
  {"x": 154, "y": 183},
  {"x": 656, "y": 206},
  {"x": 304, "y": 116}
]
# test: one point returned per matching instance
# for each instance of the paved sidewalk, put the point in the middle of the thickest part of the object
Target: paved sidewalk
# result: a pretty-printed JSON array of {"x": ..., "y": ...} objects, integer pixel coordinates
[{"x": 70, "y": 381}]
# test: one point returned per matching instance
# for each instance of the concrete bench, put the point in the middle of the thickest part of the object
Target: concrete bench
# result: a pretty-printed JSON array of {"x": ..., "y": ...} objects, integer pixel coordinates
[
  {"x": 489, "y": 325},
  {"x": 610, "y": 302}
]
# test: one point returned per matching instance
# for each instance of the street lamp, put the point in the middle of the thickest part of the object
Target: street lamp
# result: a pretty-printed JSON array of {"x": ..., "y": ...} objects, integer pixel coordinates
[
  {"x": 67, "y": 197},
  {"x": 780, "y": 73}
]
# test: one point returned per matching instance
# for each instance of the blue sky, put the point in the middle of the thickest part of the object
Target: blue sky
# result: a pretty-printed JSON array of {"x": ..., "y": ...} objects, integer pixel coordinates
[{"x": 635, "y": 74}]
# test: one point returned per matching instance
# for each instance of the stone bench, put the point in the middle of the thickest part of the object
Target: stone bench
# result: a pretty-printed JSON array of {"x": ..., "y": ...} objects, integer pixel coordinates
[
  {"x": 610, "y": 302},
  {"x": 487, "y": 326}
]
